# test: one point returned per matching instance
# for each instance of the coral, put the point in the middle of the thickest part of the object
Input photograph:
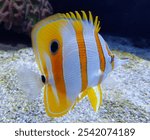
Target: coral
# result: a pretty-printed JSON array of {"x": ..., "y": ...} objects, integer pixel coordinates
[{"x": 21, "y": 15}]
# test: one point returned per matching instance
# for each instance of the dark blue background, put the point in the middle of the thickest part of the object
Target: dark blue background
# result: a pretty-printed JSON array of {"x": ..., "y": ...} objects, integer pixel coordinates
[
  {"x": 126, "y": 18},
  {"x": 121, "y": 17}
]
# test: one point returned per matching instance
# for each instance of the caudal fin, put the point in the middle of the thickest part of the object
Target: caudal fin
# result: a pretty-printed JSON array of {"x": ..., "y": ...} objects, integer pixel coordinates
[{"x": 29, "y": 81}]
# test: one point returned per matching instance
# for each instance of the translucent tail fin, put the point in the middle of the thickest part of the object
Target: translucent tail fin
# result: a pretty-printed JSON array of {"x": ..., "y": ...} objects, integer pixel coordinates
[{"x": 29, "y": 81}]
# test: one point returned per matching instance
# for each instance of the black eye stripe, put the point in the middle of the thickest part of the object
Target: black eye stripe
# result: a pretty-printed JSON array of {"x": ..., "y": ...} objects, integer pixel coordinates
[{"x": 54, "y": 46}]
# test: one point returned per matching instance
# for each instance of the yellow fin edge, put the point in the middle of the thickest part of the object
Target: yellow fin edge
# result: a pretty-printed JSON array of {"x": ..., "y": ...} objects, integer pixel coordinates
[{"x": 77, "y": 16}]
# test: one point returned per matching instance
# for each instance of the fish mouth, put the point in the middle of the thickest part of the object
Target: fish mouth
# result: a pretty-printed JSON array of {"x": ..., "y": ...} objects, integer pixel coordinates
[{"x": 124, "y": 58}]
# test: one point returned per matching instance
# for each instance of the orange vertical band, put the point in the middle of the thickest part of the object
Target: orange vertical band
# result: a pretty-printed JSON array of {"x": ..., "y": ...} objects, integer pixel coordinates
[
  {"x": 100, "y": 51},
  {"x": 82, "y": 52}
]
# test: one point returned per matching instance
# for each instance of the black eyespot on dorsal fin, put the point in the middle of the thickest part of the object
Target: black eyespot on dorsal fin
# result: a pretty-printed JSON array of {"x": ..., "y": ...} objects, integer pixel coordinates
[{"x": 43, "y": 79}]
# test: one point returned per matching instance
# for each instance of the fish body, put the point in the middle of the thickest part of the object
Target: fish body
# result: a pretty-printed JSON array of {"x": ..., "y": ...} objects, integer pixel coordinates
[{"x": 73, "y": 59}]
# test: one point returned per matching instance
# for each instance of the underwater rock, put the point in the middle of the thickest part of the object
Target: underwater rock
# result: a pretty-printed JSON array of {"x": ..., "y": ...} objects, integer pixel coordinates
[
  {"x": 21, "y": 15},
  {"x": 127, "y": 100}
]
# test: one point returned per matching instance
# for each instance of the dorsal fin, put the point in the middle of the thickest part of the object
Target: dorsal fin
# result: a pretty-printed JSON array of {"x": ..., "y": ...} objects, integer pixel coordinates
[
  {"x": 74, "y": 16},
  {"x": 77, "y": 16}
]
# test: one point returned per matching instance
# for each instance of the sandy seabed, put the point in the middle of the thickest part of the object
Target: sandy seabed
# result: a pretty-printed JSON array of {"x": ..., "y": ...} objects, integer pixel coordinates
[{"x": 126, "y": 100}]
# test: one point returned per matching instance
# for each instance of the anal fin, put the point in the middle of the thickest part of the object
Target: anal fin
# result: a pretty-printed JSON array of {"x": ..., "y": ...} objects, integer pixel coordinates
[{"x": 55, "y": 106}]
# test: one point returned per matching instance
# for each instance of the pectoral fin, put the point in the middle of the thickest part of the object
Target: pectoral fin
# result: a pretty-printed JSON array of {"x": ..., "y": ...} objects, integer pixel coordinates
[
  {"x": 80, "y": 97},
  {"x": 54, "y": 105},
  {"x": 95, "y": 97}
]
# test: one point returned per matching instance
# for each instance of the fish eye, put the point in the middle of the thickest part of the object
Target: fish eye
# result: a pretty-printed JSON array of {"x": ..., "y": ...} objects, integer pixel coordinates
[
  {"x": 54, "y": 46},
  {"x": 43, "y": 79},
  {"x": 112, "y": 58}
]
